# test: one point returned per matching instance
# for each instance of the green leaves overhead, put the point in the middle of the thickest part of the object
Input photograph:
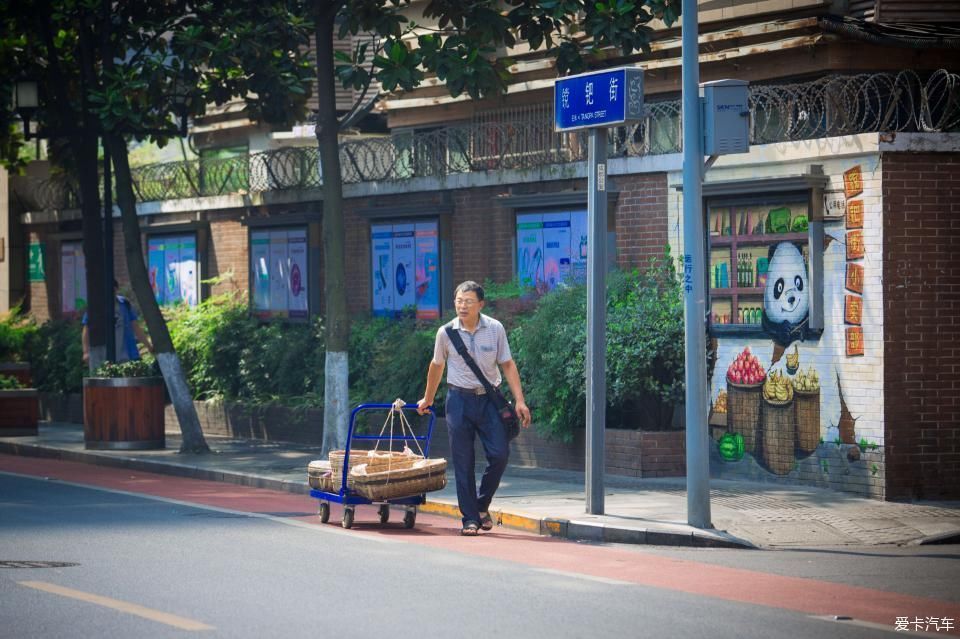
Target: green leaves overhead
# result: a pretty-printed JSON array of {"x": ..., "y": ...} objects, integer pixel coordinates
[{"x": 464, "y": 42}]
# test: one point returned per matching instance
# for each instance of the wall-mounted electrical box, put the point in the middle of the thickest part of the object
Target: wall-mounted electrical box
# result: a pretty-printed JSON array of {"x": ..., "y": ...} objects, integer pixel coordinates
[{"x": 726, "y": 117}]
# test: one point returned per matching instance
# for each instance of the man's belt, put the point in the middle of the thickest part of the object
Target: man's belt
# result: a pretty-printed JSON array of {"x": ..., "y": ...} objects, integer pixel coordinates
[{"x": 480, "y": 390}]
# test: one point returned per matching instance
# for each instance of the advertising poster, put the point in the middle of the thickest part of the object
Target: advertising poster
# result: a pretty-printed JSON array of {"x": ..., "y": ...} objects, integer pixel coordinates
[
  {"x": 278, "y": 273},
  {"x": 381, "y": 252},
  {"x": 155, "y": 266},
  {"x": 171, "y": 270},
  {"x": 428, "y": 271},
  {"x": 68, "y": 278},
  {"x": 578, "y": 246},
  {"x": 189, "y": 271},
  {"x": 403, "y": 267},
  {"x": 297, "y": 250},
  {"x": 530, "y": 249},
  {"x": 556, "y": 248},
  {"x": 260, "y": 268}
]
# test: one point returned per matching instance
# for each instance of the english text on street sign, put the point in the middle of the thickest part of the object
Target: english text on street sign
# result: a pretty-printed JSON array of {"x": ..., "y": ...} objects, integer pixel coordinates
[{"x": 602, "y": 98}]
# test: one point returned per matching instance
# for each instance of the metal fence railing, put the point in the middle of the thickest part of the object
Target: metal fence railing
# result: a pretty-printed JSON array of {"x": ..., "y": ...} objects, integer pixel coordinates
[{"x": 830, "y": 106}]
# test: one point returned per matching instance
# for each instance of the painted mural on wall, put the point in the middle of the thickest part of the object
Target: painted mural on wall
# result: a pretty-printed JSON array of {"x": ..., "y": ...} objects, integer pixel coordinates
[{"x": 789, "y": 401}]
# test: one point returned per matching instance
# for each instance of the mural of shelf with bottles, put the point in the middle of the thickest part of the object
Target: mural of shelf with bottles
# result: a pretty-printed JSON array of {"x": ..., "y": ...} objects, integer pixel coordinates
[{"x": 740, "y": 237}]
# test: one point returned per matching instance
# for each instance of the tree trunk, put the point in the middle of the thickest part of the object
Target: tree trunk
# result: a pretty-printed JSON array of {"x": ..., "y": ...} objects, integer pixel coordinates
[
  {"x": 83, "y": 148},
  {"x": 336, "y": 390},
  {"x": 193, "y": 440},
  {"x": 98, "y": 321}
]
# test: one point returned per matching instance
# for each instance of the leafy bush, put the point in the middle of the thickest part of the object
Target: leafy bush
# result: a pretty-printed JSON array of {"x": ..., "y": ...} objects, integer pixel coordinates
[
  {"x": 131, "y": 368},
  {"x": 56, "y": 357},
  {"x": 16, "y": 330},
  {"x": 8, "y": 382},
  {"x": 644, "y": 352},
  {"x": 389, "y": 358},
  {"x": 228, "y": 354}
]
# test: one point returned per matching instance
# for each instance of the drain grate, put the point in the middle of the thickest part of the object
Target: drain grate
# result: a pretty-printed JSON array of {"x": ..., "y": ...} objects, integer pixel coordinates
[{"x": 37, "y": 564}]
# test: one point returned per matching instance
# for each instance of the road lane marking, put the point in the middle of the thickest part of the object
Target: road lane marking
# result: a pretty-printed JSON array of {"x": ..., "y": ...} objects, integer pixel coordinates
[
  {"x": 330, "y": 530},
  {"x": 122, "y": 606},
  {"x": 579, "y": 575}
]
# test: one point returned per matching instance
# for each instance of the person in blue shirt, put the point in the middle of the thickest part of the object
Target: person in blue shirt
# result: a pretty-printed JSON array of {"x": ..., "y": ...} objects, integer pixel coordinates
[{"x": 127, "y": 330}]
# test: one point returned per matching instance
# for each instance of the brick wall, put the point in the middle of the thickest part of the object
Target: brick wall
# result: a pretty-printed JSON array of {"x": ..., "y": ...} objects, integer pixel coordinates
[
  {"x": 641, "y": 218},
  {"x": 228, "y": 252},
  {"x": 921, "y": 275}
]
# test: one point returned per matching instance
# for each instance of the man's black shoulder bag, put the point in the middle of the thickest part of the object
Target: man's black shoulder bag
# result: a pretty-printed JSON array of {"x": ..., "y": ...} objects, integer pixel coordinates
[{"x": 508, "y": 415}]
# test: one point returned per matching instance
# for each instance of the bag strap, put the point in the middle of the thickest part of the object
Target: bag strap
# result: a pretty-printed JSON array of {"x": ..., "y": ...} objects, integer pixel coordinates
[{"x": 458, "y": 344}]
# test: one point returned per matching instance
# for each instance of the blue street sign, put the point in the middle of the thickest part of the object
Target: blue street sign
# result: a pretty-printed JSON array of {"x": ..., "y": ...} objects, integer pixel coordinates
[{"x": 601, "y": 98}]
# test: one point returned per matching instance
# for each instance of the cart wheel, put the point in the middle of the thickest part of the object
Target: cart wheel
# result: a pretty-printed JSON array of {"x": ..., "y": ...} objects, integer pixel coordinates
[
  {"x": 324, "y": 512},
  {"x": 409, "y": 518},
  {"x": 347, "y": 518},
  {"x": 384, "y": 513}
]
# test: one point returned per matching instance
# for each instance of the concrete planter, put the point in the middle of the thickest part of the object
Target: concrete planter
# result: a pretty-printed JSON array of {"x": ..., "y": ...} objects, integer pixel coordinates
[
  {"x": 19, "y": 412},
  {"x": 123, "y": 413}
]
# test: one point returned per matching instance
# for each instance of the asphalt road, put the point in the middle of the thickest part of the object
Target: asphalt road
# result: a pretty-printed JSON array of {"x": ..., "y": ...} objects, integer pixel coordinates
[{"x": 154, "y": 556}]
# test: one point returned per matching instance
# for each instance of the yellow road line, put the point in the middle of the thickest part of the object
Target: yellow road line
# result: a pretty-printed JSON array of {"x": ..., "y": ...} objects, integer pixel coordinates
[{"x": 123, "y": 606}]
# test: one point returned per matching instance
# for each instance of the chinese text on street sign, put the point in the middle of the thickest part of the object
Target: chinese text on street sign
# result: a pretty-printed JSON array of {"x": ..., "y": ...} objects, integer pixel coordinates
[{"x": 603, "y": 98}]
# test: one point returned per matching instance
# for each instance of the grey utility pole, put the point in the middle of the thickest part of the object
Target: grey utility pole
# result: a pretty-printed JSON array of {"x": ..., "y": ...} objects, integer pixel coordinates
[
  {"x": 596, "y": 317},
  {"x": 695, "y": 358}
]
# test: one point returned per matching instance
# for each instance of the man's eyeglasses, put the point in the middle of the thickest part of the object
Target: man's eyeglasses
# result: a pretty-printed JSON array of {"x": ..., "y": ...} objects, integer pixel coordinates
[{"x": 461, "y": 302}]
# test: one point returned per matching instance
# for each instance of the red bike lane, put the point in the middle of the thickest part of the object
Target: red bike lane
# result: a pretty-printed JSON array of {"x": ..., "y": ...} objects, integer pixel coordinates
[{"x": 803, "y": 595}]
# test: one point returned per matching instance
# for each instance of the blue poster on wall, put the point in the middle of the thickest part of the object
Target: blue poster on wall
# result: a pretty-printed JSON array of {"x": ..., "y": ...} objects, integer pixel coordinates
[
  {"x": 403, "y": 274},
  {"x": 428, "y": 271},
  {"x": 381, "y": 254}
]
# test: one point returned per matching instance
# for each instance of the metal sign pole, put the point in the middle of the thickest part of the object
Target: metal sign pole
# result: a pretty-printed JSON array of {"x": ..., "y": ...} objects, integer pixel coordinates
[
  {"x": 596, "y": 317},
  {"x": 698, "y": 463}
]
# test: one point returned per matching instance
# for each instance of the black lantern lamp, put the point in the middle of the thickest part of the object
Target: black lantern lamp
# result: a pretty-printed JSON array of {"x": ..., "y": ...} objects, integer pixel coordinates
[{"x": 26, "y": 100}]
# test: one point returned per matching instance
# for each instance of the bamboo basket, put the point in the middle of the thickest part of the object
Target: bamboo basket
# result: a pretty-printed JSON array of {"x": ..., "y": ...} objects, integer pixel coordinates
[
  {"x": 779, "y": 436},
  {"x": 320, "y": 476},
  {"x": 421, "y": 477},
  {"x": 743, "y": 412},
  {"x": 807, "y": 405},
  {"x": 379, "y": 460}
]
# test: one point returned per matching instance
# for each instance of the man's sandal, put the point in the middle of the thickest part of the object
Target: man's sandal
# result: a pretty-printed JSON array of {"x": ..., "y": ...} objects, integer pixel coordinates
[
  {"x": 470, "y": 529},
  {"x": 486, "y": 521}
]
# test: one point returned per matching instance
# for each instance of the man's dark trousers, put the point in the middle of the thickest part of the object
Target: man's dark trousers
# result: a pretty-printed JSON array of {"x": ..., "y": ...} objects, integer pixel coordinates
[{"x": 469, "y": 416}]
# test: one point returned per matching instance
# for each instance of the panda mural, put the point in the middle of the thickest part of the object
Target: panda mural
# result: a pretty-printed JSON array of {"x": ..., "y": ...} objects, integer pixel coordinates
[{"x": 786, "y": 296}]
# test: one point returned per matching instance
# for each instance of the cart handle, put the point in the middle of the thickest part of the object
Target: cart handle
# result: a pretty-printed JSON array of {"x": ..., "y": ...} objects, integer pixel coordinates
[{"x": 351, "y": 436}]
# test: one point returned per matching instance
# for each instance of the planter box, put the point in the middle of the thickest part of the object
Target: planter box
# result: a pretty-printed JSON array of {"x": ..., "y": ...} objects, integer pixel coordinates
[
  {"x": 123, "y": 413},
  {"x": 18, "y": 370},
  {"x": 19, "y": 412}
]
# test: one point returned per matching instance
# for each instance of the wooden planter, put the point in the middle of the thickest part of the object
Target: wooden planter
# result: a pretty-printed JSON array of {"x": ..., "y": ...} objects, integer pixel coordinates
[
  {"x": 19, "y": 412},
  {"x": 123, "y": 413},
  {"x": 18, "y": 370}
]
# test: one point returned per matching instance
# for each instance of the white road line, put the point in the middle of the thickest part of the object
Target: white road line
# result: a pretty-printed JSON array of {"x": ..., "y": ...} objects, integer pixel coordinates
[
  {"x": 166, "y": 618},
  {"x": 323, "y": 528},
  {"x": 577, "y": 575}
]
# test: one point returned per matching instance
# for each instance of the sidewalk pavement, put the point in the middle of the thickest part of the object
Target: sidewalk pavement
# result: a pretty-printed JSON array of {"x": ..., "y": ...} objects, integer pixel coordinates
[{"x": 551, "y": 502}]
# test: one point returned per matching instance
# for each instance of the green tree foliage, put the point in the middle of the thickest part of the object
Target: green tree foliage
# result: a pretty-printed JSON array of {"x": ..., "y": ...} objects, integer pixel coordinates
[{"x": 644, "y": 352}]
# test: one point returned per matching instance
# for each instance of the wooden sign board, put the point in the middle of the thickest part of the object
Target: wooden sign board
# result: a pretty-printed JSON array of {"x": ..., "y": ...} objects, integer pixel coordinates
[
  {"x": 853, "y": 182},
  {"x": 855, "y": 214},
  {"x": 854, "y": 341},
  {"x": 855, "y": 246},
  {"x": 855, "y": 278},
  {"x": 853, "y": 309}
]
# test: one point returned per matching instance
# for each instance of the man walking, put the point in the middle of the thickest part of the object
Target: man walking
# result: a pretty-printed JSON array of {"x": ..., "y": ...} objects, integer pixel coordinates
[{"x": 470, "y": 412}]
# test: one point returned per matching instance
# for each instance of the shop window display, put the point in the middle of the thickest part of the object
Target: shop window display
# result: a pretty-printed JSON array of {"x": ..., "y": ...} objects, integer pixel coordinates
[
  {"x": 279, "y": 273},
  {"x": 405, "y": 268},
  {"x": 752, "y": 240}
]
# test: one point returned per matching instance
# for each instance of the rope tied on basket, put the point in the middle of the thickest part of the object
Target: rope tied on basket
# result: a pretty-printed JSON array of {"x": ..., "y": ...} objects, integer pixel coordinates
[{"x": 396, "y": 411}]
